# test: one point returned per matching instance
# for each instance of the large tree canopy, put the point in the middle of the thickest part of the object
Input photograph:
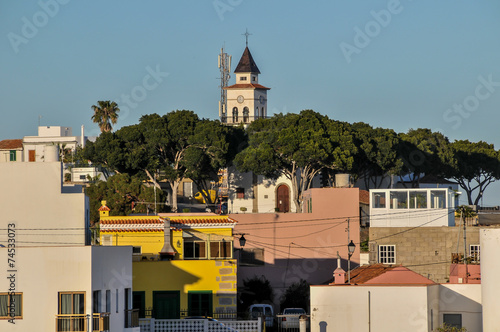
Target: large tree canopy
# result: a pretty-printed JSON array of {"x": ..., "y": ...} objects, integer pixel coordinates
[
  {"x": 296, "y": 146},
  {"x": 167, "y": 148},
  {"x": 474, "y": 166}
]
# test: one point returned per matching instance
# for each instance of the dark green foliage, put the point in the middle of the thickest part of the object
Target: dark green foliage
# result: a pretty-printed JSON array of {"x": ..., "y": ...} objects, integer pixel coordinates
[
  {"x": 255, "y": 290},
  {"x": 119, "y": 192},
  {"x": 296, "y": 296}
]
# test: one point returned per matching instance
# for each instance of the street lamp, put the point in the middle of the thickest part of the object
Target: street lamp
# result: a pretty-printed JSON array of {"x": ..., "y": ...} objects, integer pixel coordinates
[
  {"x": 350, "y": 247},
  {"x": 242, "y": 240}
]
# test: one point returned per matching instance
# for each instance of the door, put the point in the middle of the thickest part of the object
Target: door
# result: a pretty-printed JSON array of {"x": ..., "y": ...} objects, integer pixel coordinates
[
  {"x": 200, "y": 303},
  {"x": 139, "y": 302},
  {"x": 283, "y": 199},
  {"x": 166, "y": 304},
  {"x": 31, "y": 155}
]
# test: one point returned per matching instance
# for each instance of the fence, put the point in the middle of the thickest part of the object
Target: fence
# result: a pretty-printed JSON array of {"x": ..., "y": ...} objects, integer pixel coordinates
[{"x": 198, "y": 325}]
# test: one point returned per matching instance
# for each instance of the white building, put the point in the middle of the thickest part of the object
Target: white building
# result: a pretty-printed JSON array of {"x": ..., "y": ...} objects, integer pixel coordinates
[
  {"x": 413, "y": 207},
  {"x": 66, "y": 289},
  {"x": 38, "y": 148},
  {"x": 46, "y": 212},
  {"x": 396, "y": 299}
]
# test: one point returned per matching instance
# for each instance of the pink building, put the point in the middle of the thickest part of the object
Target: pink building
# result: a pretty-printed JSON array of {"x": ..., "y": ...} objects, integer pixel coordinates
[{"x": 288, "y": 247}]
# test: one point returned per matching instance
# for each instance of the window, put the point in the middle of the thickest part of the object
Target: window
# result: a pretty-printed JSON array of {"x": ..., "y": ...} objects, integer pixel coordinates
[
  {"x": 220, "y": 249},
  {"x": 235, "y": 114},
  {"x": 454, "y": 320},
  {"x": 254, "y": 79},
  {"x": 108, "y": 300},
  {"x": 243, "y": 78},
  {"x": 194, "y": 249},
  {"x": 107, "y": 240},
  {"x": 252, "y": 257},
  {"x": 82, "y": 177},
  {"x": 246, "y": 112},
  {"x": 240, "y": 192},
  {"x": 378, "y": 200},
  {"x": 13, "y": 155},
  {"x": 418, "y": 200},
  {"x": 475, "y": 253},
  {"x": 438, "y": 199},
  {"x": 117, "y": 300},
  {"x": 72, "y": 311},
  {"x": 137, "y": 250},
  {"x": 399, "y": 199},
  {"x": 200, "y": 303},
  {"x": 96, "y": 305},
  {"x": 387, "y": 254},
  {"x": 11, "y": 305}
]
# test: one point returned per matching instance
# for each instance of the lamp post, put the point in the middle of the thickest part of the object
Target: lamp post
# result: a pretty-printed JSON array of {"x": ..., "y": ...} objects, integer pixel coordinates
[
  {"x": 350, "y": 248},
  {"x": 242, "y": 240}
]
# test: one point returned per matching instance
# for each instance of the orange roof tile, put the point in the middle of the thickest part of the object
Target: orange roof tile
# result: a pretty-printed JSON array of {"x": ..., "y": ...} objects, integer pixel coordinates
[
  {"x": 11, "y": 144},
  {"x": 104, "y": 208}
]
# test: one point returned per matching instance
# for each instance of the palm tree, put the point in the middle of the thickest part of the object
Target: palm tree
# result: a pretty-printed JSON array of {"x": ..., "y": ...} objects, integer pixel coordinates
[{"x": 105, "y": 114}]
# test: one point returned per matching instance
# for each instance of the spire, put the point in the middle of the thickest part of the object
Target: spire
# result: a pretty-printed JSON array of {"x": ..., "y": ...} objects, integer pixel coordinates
[{"x": 246, "y": 64}]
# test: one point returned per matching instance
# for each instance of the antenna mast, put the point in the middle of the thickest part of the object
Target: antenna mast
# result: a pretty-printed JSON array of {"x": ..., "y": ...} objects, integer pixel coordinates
[{"x": 225, "y": 68}]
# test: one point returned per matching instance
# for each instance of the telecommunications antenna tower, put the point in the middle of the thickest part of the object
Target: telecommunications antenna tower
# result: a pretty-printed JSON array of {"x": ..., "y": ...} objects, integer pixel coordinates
[{"x": 225, "y": 68}]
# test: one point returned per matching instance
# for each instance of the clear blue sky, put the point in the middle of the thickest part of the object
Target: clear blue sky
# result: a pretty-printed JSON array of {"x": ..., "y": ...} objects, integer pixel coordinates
[{"x": 394, "y": 64}]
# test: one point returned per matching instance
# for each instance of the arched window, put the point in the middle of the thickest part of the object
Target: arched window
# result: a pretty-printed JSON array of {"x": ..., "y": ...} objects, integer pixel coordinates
[
  {"x": 245, "y": 114},
  {"x": 235, "y": 114},
  {"x": 256, "y": 113},
  {"x": 262, "y": 113}
]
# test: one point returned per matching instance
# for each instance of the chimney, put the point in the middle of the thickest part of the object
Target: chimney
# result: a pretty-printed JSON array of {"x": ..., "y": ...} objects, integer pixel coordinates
[
  {"x": 82, "y": 143},
  {"x": 167, "y": 253},
  {"x": 339, "y": 273}
]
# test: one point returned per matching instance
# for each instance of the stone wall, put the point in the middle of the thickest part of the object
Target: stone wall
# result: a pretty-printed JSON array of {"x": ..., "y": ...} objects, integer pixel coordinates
[{"x": 425, "y": 250}]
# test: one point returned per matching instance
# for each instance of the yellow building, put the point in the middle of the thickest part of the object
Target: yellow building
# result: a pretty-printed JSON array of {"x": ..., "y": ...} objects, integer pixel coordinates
[{"x": 187, "y": 271}]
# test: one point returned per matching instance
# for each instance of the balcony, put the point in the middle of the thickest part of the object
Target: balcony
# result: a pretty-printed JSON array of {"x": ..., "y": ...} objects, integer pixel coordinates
[
  {"x": 79, "y": 322},
  {"x": 131, "y": 318}
]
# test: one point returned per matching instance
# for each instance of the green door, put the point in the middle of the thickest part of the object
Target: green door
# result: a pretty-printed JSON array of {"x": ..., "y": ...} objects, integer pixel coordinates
[
  {"x": 200, "y": 303},
  {"x": 166, "y": 304}
]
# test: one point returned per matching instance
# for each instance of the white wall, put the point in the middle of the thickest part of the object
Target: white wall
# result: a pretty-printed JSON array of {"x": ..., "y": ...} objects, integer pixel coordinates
[
  {"x": 112, "y": 270},
  {"x": 346, "y": 308},
  {"x": 41, "y": 274},
  {"x": 490, "y": 270},
  {"x": 32, "y": 197},
  {"x": 464, "y": 299}
]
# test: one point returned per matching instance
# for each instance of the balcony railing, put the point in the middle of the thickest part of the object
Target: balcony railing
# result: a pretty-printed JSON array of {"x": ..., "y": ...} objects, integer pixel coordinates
[
  {"x": 131, "y": 318},
  {"x": 79, "y": 322}
]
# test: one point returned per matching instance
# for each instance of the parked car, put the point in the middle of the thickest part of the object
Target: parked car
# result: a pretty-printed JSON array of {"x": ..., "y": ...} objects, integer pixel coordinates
[
  {"x": 290, "y": 318},
  {"x": 262, "y": 310}
]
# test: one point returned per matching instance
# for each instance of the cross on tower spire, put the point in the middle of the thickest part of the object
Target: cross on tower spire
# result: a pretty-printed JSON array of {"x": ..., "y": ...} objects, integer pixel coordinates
[{"x": 246, "y": 34}]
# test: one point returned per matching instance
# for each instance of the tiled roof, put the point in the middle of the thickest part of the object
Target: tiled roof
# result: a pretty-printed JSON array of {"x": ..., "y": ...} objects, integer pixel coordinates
[
  {"x": 246, "y": 64},
  {"x": 247, "y": 86},
  {"x": 11, "y": 144},
  {"x": 364, "y": 273},
  {"x": 364, "y": 197},
  {"x": 156, "y": 223},
  {"x": 104, "y": 208}
]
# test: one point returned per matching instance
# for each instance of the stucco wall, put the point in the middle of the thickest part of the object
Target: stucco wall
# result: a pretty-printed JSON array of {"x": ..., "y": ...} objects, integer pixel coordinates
[
  {"x": 218, "y": 276},
  {"x": 33, "y": 197},
  {"x": 490, "y": 269},
  {"x": 425, "y": 250},
  {"x": 374, "y": 308}
]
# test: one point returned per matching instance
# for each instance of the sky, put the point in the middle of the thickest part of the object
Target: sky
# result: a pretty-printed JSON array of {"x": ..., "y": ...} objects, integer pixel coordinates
[{"x": 393, "y": 64}]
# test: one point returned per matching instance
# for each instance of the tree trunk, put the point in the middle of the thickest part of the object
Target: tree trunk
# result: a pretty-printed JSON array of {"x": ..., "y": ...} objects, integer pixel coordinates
[{"x": 174, "y": 185}]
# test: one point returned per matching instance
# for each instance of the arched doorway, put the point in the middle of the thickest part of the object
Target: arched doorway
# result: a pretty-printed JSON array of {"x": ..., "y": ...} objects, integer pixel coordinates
[{"x": 283, "y": 198}]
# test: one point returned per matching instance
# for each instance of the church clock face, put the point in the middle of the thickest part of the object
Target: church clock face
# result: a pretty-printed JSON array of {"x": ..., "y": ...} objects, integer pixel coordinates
[{"x": 240, "y": 99}]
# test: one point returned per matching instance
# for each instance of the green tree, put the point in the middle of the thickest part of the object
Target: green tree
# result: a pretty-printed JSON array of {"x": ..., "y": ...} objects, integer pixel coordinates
[
  {"x": 105, "y": 114},
  {"x": 377, "y": 156},
  {"x": 255, "y": 290},
  {"x": 475, "y": 165},
  {"x": 423, "y": 152},
  {"x": 124, "y": 195},
  {"x": 296, "y": 296},
  {"x": 297, "y": 146}
]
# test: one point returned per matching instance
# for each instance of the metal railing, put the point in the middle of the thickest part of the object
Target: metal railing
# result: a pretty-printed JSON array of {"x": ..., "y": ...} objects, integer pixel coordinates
[
  {"x": 79, "y": 322},
  {"x": 131, "y": 318}
]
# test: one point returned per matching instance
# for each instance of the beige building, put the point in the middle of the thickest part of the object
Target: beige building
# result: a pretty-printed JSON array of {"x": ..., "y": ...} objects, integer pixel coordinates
[{"x": 11, "y": 150}]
